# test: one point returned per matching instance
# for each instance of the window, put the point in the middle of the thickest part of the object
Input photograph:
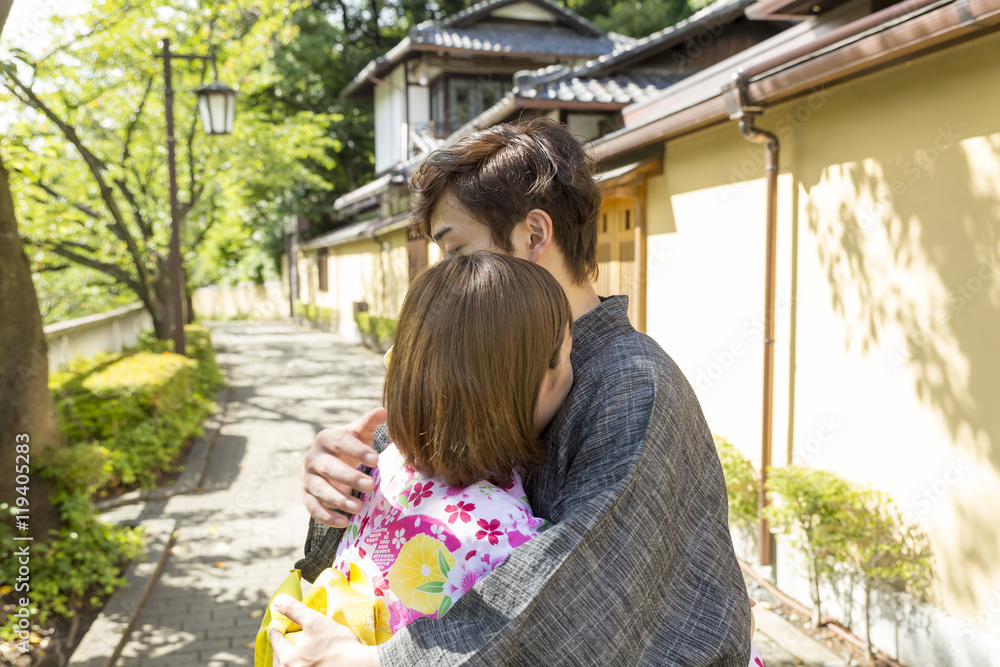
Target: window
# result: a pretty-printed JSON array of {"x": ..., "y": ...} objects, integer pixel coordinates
[
  {"x": 456, "y": 100},
  {"x": 321, "y": 265}
]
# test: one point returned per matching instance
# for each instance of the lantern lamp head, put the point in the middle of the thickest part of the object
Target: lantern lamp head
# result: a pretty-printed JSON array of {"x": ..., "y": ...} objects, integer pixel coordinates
[{"x": 217, "y": 103}]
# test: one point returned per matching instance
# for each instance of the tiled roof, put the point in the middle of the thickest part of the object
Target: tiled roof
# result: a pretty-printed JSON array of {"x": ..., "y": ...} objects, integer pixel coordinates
[
  {"x": 585, "y": 83},
  {"x": 480, "y": 9},
  {"x": 500, "y": 38},
  {"x": 575, "y": 37},
  {"x": 617, "y": 89},
  {"x": 716, "y": 14}
]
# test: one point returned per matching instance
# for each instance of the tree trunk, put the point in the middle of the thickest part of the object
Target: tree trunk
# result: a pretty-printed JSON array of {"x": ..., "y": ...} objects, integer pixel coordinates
[
  {"x": 27, "y": 413},
  {"x": 869, "y": 651},
  {"x": 814, "y": 592},
  {"x": 159, "y": 306}
]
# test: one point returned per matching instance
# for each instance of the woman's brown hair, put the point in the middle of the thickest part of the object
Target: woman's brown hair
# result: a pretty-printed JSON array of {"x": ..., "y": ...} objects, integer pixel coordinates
[{"x": 476, "y": 336}]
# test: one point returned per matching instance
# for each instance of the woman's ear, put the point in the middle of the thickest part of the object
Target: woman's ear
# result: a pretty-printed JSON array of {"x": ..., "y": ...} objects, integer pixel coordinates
[{"x": 540, "y": 233}]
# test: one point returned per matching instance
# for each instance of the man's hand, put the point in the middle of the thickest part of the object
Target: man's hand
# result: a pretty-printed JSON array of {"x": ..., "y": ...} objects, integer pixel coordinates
[
  {"x": 330, "y": 470},
  {"x": 322, "y": 642}
]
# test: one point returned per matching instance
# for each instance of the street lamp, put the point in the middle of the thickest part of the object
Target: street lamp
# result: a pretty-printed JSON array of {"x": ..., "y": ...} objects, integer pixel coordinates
[{"x": 217, "y": 104}]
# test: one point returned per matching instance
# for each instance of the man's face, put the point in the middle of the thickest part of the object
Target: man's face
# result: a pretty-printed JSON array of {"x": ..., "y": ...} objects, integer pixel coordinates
[{"x": 456, "y": 233}]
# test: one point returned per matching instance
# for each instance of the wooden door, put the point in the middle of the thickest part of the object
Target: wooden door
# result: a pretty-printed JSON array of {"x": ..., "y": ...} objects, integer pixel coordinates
[{"x": 619, "y": 249}]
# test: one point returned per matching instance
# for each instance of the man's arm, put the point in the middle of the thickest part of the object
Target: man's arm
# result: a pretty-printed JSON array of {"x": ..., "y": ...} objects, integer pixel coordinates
[
  {"x": 638, "y": 569},
  {"x": 331, "y": 472},
  {"x": 332, "y": 453}
]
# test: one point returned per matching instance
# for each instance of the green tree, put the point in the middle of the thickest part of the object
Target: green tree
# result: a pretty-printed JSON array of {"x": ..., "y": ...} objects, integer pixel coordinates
[
  {"x": 741, "y": 490},
  {"x": 27, "y": 413},
  {"x": 885, "y": 548},
  {"x": 814, "y": 507},
  {"x": 87, "y": 154}
]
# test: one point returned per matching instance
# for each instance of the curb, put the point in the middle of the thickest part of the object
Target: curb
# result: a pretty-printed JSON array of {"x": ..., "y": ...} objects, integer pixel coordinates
[
  {"x": 194, "y": 465},
  {"x": 103, "y": 642},
  {"x": 800, "y": 646}
]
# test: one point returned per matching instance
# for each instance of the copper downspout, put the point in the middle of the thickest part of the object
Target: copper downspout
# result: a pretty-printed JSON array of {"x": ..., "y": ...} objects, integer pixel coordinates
[{"x": 738, "y": 107}]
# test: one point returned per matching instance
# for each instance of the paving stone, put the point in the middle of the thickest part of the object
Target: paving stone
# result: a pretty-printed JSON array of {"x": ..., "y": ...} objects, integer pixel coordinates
[
  {"x": 803, "y": 649},
  {"x": 237, "y": 539}
]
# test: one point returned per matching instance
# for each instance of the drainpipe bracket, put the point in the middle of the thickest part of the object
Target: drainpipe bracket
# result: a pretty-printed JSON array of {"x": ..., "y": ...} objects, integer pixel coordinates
[{"x": 736, "y": 99}]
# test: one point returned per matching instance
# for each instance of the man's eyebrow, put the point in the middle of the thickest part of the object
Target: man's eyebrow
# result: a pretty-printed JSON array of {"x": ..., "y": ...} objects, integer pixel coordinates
[{"x": 437, "y": 237}]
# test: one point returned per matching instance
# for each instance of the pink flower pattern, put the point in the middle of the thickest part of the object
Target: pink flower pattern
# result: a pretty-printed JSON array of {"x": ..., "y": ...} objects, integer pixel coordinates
[
  {"x": 420, "y": 491},
  {"x": 460, "y": 510},
  {"x": 479, "y": 535},
  {"x": 490, "y": 530}
]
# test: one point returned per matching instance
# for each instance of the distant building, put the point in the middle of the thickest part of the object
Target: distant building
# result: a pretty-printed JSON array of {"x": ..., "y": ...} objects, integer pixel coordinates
[{"x": 498, "y": 61}]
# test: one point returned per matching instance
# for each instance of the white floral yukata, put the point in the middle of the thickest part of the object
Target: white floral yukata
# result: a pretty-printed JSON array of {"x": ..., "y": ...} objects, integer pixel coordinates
[{"x": 423, "y": 544}]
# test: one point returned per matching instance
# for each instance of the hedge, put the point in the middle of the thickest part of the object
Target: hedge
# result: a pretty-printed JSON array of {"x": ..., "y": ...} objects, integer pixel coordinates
[
  {"x": 126, "y": 417},
  {"x": 136, "y": 410},
  {"x": 376, "y": 332}
]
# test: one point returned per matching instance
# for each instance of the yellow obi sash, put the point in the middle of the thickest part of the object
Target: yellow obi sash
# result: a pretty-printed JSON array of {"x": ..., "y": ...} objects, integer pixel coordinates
[{"x": 351, "y": 603}]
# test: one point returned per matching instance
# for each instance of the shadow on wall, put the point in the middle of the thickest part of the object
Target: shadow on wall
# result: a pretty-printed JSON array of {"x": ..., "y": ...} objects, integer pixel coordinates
[{"x": 913, "y": 264}]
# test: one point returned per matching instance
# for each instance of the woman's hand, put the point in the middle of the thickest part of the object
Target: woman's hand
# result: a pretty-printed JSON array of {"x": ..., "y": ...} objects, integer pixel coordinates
[
  {"x": 322, "y": 643},
  {"x": 330, "y": 471}
]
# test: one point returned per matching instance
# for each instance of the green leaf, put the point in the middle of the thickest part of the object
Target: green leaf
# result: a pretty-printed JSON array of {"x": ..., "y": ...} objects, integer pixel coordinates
[
  {"x": 445, "y": 606},
  {"x": 443, "y": 563},
  {"x": 431, "y": 587}
]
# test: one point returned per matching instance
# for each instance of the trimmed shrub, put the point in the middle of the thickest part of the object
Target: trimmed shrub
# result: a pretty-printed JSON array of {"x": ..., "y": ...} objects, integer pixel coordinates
[
  {"x": 376, "y": 332},
  {"x": 742, "y": 482},
  {"x": 812, "y": 507},
  {"x": 138, "y": 409},
  {"x": 885, "y": 548},
  {"x": 126, "y": 417}
]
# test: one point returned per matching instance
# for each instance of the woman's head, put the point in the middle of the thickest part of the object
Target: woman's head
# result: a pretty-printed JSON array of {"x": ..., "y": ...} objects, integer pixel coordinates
[{"x": 479, "y": 338}]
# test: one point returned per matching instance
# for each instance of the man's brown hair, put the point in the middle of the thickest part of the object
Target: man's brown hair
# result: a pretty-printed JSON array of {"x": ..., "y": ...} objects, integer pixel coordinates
[
  {"x": 476, "y": 336},
  {"x": 498, "y": 175}
]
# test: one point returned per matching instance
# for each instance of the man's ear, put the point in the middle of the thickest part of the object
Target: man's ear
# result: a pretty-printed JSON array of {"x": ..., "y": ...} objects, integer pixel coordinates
[{"x": 540, "y": 233}]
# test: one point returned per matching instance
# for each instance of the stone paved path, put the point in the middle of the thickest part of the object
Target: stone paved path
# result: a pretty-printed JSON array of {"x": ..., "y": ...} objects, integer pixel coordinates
[{"x": 237, "y": 540}]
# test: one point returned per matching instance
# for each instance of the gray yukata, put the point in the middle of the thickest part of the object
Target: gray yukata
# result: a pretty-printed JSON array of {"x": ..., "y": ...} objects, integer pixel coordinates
[{"x": 638, "y": 567}]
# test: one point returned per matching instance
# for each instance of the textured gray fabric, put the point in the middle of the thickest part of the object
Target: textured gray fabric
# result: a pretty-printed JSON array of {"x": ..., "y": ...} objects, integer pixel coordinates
[{"x": 638, "y": 568}]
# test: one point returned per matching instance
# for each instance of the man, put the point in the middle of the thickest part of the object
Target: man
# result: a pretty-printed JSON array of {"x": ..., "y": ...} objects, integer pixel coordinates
[{"x": 638, "y": 567}]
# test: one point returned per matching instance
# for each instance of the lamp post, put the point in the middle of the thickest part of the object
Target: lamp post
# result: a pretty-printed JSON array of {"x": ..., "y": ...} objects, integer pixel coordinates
[{"x": 217, "y": 105}]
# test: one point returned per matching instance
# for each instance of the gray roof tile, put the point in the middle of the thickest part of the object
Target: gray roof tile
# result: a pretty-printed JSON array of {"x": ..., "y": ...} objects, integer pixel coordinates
[
  {"x": 499, "y": 38},
  {"x": 619, "y": 89}
]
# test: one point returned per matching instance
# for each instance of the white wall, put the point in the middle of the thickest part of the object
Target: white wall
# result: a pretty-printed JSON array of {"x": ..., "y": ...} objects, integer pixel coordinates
[
  {"x": 390, "y": 132},
  {"x": 87, "y": 336}
]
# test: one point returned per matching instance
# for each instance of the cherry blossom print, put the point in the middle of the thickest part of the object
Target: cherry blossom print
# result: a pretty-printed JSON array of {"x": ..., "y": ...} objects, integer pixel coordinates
[
  {"x": 490, "y": 530},
  {"x": 420, "y": 491},
  {"x": 399, "y": 538},
  {"x": 463, "y": 534},
  {"x": 460, "y": 510}
]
